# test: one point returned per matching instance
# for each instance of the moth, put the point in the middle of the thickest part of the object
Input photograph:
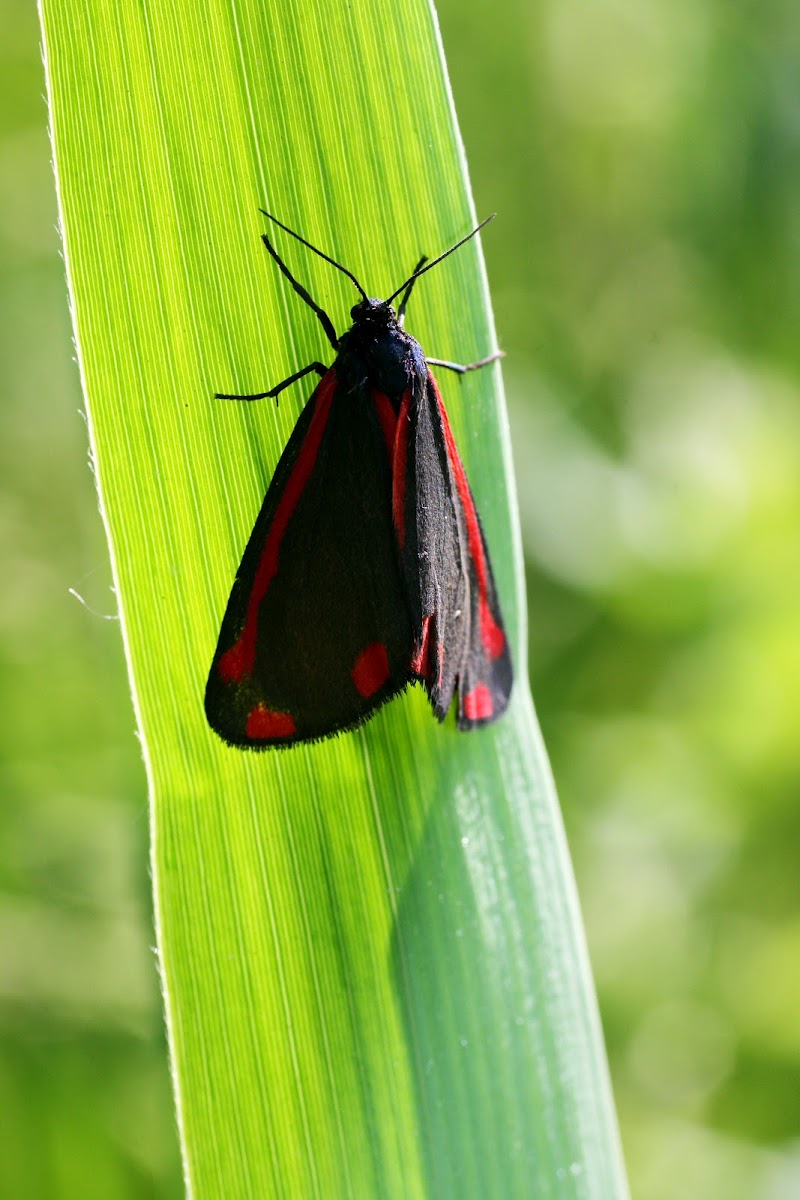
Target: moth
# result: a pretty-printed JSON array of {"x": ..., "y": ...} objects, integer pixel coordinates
[{"x": 367, "y": 568}]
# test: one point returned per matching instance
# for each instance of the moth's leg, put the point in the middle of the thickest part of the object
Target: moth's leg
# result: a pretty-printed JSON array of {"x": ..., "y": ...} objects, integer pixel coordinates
[
  {"x": 401, "y": 311},
  {"x": 320, "y": 368},
  {"x": 462, "y": 368},
  {"x": 327, "y": 323}
]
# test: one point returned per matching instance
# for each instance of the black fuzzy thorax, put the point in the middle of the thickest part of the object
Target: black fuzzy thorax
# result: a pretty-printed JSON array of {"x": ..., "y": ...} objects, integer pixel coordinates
[{"x": 376, "y": 352}]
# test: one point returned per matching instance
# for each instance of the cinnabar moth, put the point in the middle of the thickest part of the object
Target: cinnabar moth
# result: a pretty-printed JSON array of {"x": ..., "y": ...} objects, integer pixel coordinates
[{"x": 367, "y": 568}]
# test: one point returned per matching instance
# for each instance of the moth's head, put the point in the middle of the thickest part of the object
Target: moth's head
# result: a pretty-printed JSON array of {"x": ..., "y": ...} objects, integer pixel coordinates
[{"x": 376, "y": 312}]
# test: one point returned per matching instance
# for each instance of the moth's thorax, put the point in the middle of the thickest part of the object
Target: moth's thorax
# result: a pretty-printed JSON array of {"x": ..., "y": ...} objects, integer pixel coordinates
[{"x": 376, "y": 351}]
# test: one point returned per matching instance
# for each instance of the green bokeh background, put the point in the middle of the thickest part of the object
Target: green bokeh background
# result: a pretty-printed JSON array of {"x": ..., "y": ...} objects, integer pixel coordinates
[{"x": 644, "y": 157}]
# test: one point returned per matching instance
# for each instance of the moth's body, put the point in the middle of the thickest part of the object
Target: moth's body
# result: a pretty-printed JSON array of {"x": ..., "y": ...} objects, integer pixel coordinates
[
  {"x": 377, "y": 350},
  {"x": 367, "y": 568}
]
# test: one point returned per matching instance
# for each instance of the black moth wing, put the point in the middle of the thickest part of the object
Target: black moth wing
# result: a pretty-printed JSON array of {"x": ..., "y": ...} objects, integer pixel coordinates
[
  {"x": 459, "y": 639},
  {"x": 316, "y": 635}
]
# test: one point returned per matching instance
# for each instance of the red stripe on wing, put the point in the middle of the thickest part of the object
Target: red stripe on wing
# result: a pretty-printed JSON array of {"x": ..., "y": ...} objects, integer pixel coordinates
[
  {"x": 421, "y": 660},
  {"x": 387, "y": 418},
  {"x": 493, "y": 639},
  {"x": 399, "y": 467},
  {"x": 239, "y": 659}
]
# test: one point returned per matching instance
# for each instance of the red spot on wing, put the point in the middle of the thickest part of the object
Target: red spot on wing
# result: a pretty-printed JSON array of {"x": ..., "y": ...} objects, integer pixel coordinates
[
  {"x": 371, "y": 670},
  {"x": 421, "y": 661},
  {"x": 387, "y": 418},
  {"x": 239, "y": 659},
  {"x": 399, "y": 468},
  {"x": 263, "y": 722},
  {"x": 235, "y": 663},
  {"x": 493, "y": 639},
  {"x": 478, "y": 704}
]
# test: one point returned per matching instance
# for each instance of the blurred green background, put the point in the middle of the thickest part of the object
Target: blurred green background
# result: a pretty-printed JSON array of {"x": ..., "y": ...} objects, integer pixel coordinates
[{"x": 644, "y": 157}]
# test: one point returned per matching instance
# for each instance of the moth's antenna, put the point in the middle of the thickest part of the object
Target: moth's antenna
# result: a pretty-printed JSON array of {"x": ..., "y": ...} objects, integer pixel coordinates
[
  {"x": 436, "y": 261},
  {"x": 327, "y": 257}
]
